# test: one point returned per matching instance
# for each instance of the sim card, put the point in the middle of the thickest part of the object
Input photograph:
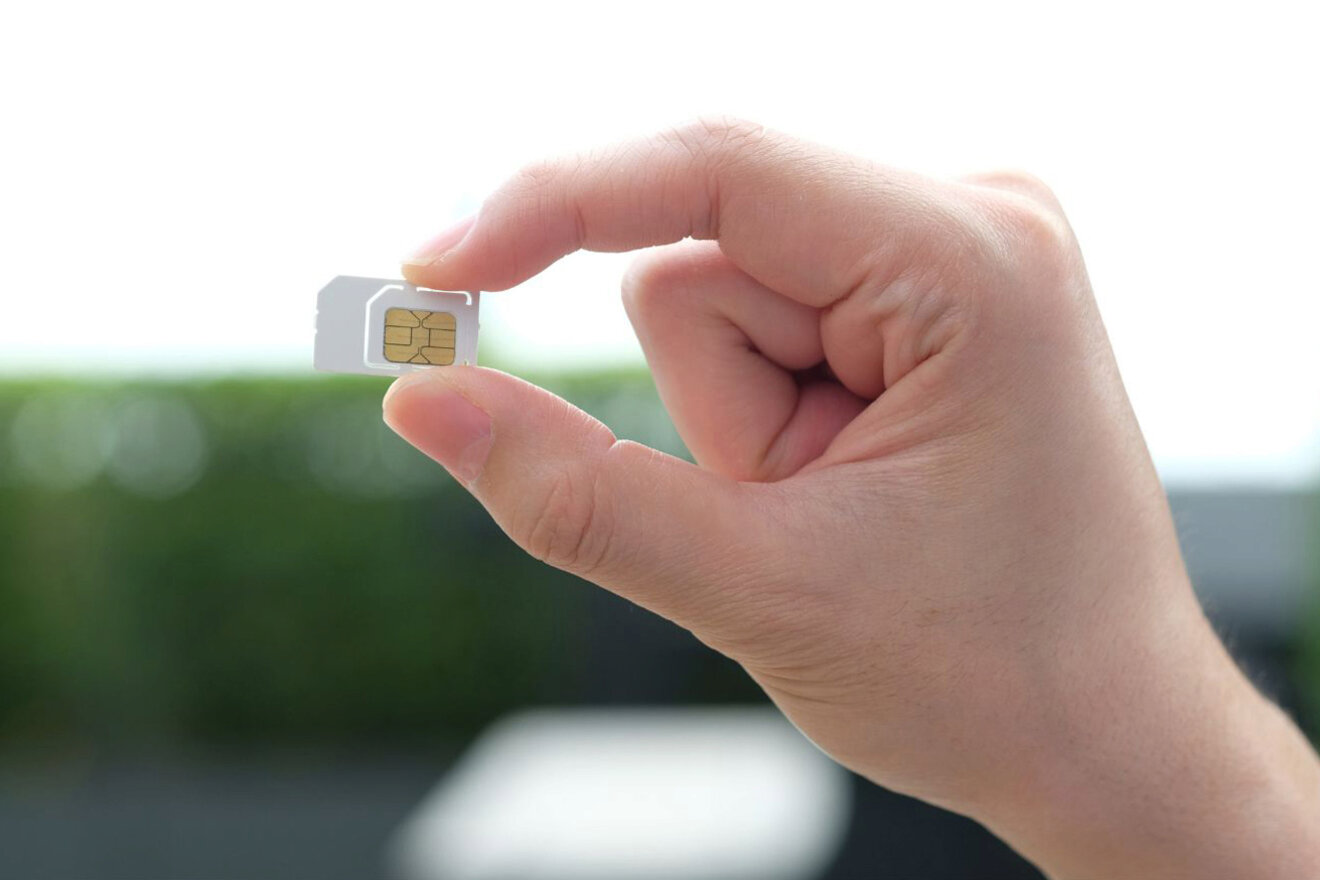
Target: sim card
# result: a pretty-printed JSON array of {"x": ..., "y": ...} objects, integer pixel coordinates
[{"x": 382, "y": 327}]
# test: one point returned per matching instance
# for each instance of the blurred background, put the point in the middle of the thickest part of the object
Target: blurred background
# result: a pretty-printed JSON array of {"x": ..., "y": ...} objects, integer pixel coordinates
[{"x": 244, "y": 630}]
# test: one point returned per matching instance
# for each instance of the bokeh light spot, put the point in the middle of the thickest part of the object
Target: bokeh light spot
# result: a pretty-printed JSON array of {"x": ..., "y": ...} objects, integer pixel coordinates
[
  {"x": 60, "y": 440},
  {"x": 160, "y": 447}
]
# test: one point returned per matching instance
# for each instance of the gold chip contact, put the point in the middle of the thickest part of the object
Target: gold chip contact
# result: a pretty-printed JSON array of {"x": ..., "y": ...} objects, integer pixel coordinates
[{"x": 414, "y": 336}]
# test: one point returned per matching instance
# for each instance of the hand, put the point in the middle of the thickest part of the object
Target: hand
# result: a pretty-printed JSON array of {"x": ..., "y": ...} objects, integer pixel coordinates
[{"x": 924, "y": 518}]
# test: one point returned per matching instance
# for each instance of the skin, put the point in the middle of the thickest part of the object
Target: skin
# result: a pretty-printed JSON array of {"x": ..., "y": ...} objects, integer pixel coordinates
[{"x": 923, "y": 516}]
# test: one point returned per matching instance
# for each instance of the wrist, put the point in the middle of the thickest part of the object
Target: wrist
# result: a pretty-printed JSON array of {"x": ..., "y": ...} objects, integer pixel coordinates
[{"x": 1191, "y": 773}]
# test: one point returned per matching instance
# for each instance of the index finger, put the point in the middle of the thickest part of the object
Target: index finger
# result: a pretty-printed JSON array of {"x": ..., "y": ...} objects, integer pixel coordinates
[{"x": 811, "y": 223}]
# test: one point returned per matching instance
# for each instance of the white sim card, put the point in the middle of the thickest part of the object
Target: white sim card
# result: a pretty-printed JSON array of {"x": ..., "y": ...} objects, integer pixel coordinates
[{"x": 382, "y": 327}]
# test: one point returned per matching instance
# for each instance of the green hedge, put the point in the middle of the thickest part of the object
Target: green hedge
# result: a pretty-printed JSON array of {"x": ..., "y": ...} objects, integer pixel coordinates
[
  {"x": 257, "y": 560},
  {"x": 261, "y": 560}
]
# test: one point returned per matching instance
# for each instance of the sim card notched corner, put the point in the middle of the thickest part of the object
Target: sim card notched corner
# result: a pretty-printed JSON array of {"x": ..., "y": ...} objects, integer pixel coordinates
[{"x": 382, "y": 327}]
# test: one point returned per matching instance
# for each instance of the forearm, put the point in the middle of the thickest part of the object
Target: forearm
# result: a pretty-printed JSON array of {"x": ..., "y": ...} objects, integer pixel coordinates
[{"x": 1205, "y": 778}]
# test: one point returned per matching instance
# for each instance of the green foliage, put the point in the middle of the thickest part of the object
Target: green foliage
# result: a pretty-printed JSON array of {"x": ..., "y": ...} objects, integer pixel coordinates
[
  {"x": 299, "y": 574},
  {"x": 260, "y": 560}
]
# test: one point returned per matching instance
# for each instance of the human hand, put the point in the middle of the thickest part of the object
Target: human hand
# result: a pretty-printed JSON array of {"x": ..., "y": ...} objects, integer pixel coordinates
[{"x": 923, "y": 516}]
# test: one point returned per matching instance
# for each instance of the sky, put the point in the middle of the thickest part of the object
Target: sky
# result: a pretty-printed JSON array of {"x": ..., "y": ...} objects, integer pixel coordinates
[{"x": 178, "y": 180}]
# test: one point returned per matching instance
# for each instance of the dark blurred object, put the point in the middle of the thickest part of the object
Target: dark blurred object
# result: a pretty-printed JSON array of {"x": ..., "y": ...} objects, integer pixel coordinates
[
  {"x": 1254, "y": 557},
  {"x": 199, "y": 578},
  {"x": 282, "y": 815},
  {"x": 895, "y": 836}
]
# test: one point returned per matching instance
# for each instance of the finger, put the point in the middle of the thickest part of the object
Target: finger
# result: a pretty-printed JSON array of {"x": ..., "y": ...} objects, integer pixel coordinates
[
  {"x": 727, "y": 353},
  {"x": 1019, "y": 182},
  {"x": 648, "y": 526},
  {"x": 811, "y": 223}
]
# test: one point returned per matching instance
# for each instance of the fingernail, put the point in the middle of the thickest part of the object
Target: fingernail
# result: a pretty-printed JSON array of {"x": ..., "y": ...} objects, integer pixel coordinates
[
  {"x": 434, "y": 250},
  {"x": 442, "y": 423}
]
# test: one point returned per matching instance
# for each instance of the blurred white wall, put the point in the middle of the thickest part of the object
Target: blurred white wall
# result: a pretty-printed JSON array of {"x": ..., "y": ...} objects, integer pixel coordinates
[
  {"x": 631, "y": 794},
  {"x": 177, "y": 180}
]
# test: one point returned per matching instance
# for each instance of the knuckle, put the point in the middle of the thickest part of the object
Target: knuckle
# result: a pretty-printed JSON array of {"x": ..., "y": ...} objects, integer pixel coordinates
[
  {"x": 1024, "y": 212},
  {"x": 1035, "y": 260},
  {"x": 729, "y": 130},
  {"x": 1038, "y": 232},
  {"x": 568, "y": 528},
  {"x": 709, "y": 145},
  {"x": 708, "y": 134},
  {"x": 533, "y": 188},
  {"x": 639, "y": 283},
  {"x": 545, "y": 187},
  {"x": 650, "y": 280},
  {"x": 1024, "y": 232},
  {"x": 538, "y": 174},
  {"x": 1019, "y": 181}
]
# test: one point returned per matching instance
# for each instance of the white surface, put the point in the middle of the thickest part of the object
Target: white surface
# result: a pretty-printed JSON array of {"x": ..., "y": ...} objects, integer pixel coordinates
[
  {"x": 717, "y": 794},
  {"x": 170, "y": 165}
]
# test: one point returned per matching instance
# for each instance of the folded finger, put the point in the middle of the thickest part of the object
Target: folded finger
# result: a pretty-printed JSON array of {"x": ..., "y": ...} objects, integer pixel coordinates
[{"x": 730, "y": 359}]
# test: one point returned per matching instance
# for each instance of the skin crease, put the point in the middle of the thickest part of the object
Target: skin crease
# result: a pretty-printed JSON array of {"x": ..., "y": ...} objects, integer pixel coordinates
[{"x": 923, "y": 517}]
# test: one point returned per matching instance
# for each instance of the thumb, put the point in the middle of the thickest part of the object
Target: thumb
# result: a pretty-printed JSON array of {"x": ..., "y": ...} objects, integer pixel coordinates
[{"x": 646, "y": 525}]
